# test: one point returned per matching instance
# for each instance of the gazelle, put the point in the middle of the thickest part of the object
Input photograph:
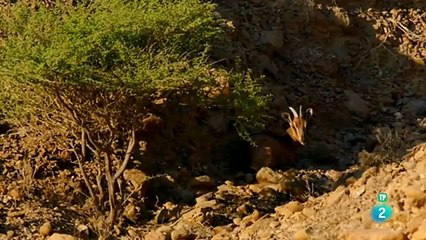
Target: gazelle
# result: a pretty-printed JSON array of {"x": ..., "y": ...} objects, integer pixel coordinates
[{"x": 276, "y": 150}]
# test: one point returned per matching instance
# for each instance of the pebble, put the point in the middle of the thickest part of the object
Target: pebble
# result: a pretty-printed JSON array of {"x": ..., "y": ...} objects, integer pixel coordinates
[{"x": 45, "y": 229}]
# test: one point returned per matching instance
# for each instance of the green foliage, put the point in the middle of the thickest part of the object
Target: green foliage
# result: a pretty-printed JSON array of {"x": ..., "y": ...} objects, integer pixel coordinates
[
  {"x": 250, "y": 102},
  {"x": 113, "y": 44},
  {"x": 18, "y": 101},
  {"x": 132, "y": 46}
]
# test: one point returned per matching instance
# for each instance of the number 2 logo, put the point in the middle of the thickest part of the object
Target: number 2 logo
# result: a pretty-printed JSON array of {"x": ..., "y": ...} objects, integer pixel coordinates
[{"x": 381, "y": 213}]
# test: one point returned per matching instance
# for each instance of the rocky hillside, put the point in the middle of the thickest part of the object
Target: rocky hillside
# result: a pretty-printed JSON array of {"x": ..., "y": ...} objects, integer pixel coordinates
[
  {"x": 359, "y": 64},
  {"x": 344, "y": 213}
]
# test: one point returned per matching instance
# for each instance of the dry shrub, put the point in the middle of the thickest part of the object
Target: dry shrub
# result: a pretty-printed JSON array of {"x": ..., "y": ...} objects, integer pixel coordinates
[{"x": 391, "y": 147}]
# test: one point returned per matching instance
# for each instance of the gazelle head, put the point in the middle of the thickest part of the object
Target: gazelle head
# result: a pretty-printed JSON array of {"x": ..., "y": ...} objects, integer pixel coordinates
[{"x": 298, "y": 123}]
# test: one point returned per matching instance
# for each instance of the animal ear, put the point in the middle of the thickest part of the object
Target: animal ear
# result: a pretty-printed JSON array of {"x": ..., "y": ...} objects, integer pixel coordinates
[
  {"x": 309, "y": 112},
  {"x": 286, "y": 116}
]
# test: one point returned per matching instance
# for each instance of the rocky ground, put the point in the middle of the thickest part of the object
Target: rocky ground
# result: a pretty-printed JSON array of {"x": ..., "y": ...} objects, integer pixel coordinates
[{"x": 359, "y": 64}]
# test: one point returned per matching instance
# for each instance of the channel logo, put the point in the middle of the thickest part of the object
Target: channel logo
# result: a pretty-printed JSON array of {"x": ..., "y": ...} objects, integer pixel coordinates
[{"x": 382, "y": 211}]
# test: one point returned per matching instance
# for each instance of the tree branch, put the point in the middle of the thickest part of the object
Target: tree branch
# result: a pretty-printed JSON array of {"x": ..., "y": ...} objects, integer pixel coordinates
[
  {"x": 99, "y": 184},
  {"x": 111, "y": 189},
  {"x": 129, "y": 152},
  {"x": 83, "y": 172}
]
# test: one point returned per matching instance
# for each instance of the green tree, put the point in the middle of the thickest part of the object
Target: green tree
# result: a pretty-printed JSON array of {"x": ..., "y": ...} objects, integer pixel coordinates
[{"x": 104, "y": 64}]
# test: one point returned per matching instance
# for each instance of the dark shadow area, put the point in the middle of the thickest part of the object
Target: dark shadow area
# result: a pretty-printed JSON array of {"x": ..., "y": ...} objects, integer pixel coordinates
[
  {"x": 328, "y": 56},
  {"x": 333, "y": 56},
  {"x": 4, "y": 128}
]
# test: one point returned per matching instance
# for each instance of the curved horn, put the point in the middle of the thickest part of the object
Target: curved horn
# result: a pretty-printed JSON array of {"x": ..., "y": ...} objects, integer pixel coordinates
[{"x": 293, "y": 111}]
